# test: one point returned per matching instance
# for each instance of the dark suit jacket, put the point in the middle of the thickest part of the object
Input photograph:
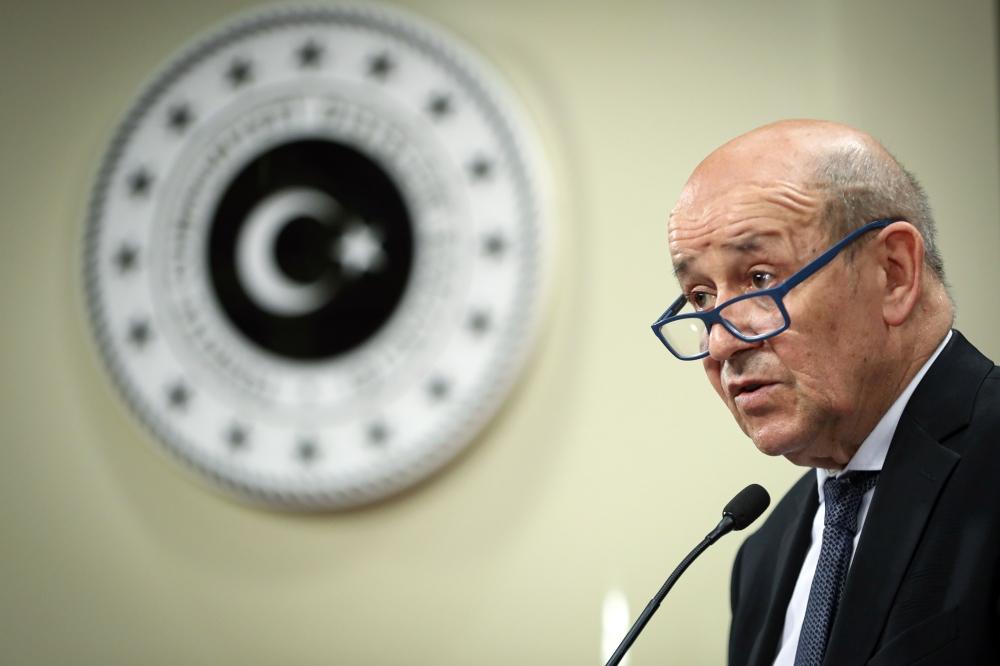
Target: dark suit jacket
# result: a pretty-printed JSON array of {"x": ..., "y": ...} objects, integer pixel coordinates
[{"x": 924, "y": 583}]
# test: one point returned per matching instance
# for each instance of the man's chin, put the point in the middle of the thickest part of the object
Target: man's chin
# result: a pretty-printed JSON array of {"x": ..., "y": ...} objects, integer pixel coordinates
[
  {"x": 771, "y": 444},
  {"x": 770, "y": 449}
]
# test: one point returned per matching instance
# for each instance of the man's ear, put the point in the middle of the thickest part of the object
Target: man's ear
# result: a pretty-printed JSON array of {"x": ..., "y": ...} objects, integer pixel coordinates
[{"x": 901, "y": 258}]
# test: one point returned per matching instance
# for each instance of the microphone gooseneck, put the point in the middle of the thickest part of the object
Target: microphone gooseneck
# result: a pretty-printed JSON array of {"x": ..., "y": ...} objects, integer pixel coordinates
[{"x": 742, "y": 510}]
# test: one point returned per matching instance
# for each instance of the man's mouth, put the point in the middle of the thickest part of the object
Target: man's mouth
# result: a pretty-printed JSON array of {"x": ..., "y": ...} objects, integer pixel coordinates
[
  {"x": 751, "y": 394},
  {"x": 747, "y": 387}
]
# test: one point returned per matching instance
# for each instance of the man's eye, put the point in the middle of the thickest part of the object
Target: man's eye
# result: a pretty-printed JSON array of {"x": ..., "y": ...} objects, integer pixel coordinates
[
  {"x": 761, "y": 279},
  {"x": 701, "y": 300}
]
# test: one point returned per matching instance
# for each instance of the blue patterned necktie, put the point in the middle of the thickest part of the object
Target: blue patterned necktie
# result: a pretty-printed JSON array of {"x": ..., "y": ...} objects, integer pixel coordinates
[{"x": 843, "y": 498}]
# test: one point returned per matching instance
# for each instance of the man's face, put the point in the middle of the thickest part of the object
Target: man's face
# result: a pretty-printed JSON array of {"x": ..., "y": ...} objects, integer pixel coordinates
[{"x": 806, "y": 393}]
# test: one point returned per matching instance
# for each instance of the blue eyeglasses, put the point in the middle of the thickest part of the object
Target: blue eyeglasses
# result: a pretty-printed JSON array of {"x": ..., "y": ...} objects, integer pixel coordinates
[{"x": 751, "y": 317}]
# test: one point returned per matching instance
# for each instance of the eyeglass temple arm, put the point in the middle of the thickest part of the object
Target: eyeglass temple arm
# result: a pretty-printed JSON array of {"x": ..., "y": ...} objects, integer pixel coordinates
[{"x": 825, "y": 258}]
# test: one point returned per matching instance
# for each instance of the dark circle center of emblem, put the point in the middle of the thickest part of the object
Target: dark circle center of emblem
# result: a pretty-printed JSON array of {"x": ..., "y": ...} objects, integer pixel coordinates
[
  {"x": 310, "y": 249},
  {"x": 299, "y": 249}
]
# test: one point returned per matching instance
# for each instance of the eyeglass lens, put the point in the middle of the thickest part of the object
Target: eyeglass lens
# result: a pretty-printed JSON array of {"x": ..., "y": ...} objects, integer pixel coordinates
[{"x": 752, "y": 317}]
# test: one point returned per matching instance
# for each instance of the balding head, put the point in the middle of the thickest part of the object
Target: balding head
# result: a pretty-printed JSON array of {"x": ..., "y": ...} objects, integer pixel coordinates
[
  {"x": 780, "y": 151},
  {"x": 855, "y": 178}
]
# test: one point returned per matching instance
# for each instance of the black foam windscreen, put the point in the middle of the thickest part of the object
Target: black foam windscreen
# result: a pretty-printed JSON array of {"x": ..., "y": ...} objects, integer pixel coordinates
[{"x": 747, "y": 506}]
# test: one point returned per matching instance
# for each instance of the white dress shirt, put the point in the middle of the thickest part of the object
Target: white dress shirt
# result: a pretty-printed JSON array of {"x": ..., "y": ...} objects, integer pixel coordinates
[{"x": 871, "y": 456}]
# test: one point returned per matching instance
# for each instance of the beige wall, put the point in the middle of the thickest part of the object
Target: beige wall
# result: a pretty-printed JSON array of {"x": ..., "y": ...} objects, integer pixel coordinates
[{"x": 610, "y": 461}]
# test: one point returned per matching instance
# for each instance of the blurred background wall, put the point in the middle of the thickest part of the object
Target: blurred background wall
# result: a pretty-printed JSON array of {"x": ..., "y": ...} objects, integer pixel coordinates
[{"x": 611, "y": 459}]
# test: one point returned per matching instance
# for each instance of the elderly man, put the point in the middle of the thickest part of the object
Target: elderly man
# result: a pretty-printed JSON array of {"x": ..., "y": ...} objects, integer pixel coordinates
[{"x": 813, "y": 293}]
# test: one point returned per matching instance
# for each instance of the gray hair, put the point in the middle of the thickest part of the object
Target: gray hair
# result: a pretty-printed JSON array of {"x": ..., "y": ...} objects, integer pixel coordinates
[{"x": 863, "y": 185}]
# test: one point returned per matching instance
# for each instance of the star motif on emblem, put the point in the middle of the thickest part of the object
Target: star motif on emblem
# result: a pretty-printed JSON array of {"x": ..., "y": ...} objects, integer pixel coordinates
[
  {"x": 240, "y": 72},
  {"x": 310, "y": 54},
  {"x": 381, "y": 66},
  {"x": 179, "y": 117},
  {"x": 438, "y": 388},
  {"x": 139, "y": 333},
  {"x": 126, "y": 258},
  {"x": 481, "y": 168},
  {"x": 307, "y": 451},
  {"x": 178, "y": 396},
  {"x": 440, "y": 106},
  {"x": 139, "y": 182},
  {"x": 359, "y": 250},
  {"x": 236, "y": 437},
  {"x": 494, "y": 245},
  {"x": 377, "y": 434},
  {"x": 479, "y": 322}
]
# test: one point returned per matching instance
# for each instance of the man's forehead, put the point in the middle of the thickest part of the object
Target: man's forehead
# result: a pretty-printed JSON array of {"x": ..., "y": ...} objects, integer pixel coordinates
[
  {"x": 743, "y": 240},
  {"x": 743, "y": 208},
  {"x": 700, "y": 202}
]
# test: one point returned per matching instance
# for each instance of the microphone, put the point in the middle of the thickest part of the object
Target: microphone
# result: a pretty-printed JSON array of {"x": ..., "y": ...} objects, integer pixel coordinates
[{"x": 742, "y": 510}]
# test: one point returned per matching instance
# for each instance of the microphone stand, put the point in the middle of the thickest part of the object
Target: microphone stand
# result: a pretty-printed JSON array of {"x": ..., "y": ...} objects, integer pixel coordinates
[{"x": 724, "y": 527}]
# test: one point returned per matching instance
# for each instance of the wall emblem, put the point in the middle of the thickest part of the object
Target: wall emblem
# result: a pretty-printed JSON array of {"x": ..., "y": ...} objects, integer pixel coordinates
[{"x": 314, "y": 252}]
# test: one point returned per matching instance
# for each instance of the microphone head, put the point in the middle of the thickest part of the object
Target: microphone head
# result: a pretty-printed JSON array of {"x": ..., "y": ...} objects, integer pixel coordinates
[{"x": 747, "y": 506}]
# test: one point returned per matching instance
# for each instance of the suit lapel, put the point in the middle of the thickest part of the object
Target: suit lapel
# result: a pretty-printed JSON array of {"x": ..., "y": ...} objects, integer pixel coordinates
[
  {"x": 915, "y": 471},
  {"x": 788, "y": 561}
]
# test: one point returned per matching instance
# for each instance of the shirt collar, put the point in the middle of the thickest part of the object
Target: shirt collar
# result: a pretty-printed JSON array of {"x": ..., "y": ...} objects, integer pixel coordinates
[{"x": 871, "y": 455}]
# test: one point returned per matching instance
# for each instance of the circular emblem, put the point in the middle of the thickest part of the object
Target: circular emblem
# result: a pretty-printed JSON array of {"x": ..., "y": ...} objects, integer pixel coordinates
[{"x": 314, "y": 251}]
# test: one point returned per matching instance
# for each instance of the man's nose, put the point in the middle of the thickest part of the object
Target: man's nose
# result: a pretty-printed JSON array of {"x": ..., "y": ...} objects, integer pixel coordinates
[{"x": 722, "y": 344}]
